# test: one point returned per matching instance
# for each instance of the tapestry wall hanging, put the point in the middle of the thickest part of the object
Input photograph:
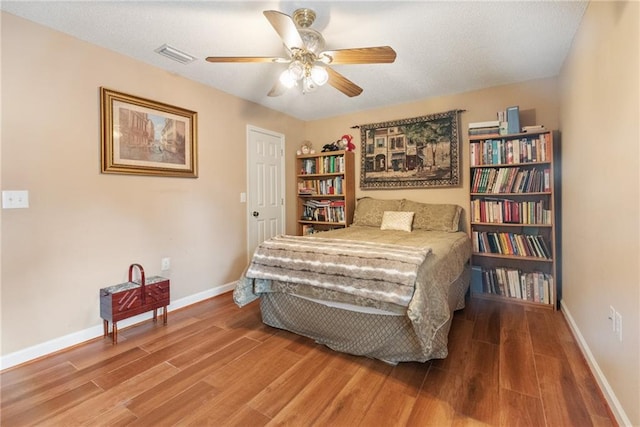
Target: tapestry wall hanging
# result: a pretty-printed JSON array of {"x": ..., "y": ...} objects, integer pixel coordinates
[{"x": 411, "y": 153}]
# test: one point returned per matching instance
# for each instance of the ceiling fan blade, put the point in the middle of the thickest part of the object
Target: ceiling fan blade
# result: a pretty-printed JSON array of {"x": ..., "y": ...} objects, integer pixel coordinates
[
  {"x": 343, "y": 84},
  {"x": 286, "y": 29},
  {"x": 362, "y": 55},
  {"x": 277, "y": 89},
  {"x": 245, "y": 59}
]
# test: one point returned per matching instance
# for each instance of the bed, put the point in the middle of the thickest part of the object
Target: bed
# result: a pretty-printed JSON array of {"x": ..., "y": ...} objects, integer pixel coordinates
[{"x": 385, "y": 287}]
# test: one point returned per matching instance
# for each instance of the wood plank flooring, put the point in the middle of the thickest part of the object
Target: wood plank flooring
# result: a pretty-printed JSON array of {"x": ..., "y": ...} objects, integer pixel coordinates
[{"x": 217, "y": 364}]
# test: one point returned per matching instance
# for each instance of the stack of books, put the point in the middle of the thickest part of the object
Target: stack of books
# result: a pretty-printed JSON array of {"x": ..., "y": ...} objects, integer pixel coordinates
[
  {"x": 508, "y": 123},
  {"x": 489, "y": 128}
]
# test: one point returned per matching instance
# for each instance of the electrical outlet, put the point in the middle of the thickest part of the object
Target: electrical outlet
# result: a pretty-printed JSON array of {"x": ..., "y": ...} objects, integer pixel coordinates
[
  {"x": 166, "y": 264},
  {"x": 612, "y": 317},
  {"x": 618, "y": 322}
]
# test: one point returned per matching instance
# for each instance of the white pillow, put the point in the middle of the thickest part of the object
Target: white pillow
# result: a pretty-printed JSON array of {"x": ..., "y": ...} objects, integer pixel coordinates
[{"x": 397, "y": 220}]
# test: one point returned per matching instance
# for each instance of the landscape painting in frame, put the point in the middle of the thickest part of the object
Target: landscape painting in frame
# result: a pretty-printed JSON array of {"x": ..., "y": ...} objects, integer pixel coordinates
[
  {"x": 144, "y": 137},
  {"x": 419, "y": 152}
]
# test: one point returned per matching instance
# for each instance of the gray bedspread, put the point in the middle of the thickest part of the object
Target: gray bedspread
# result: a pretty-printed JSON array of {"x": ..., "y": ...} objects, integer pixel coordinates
[{"x": 428, "y": 309}]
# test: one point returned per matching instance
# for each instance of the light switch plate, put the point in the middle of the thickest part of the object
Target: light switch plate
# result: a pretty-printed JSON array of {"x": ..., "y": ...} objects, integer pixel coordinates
[{"x": 15, "y": 199}]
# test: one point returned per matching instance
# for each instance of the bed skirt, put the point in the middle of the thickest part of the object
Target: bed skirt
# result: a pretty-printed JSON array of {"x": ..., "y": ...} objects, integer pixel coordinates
[{"x": 388, "y": 337}]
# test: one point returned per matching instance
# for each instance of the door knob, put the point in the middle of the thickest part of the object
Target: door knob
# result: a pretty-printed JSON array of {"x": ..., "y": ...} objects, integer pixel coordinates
[{"x": 256, "y": 213}]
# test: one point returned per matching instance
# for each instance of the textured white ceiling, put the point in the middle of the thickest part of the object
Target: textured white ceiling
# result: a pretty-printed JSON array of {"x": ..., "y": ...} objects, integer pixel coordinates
[{"x": 442, "y": 47}]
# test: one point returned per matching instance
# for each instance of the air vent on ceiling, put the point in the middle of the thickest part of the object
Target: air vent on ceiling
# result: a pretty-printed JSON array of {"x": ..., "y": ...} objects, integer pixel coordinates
[{"x": 175, "y": 54}]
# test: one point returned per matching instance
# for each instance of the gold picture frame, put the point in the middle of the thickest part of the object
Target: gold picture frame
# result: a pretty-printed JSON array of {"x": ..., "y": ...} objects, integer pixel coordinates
[{"x": 145, "y": 137}]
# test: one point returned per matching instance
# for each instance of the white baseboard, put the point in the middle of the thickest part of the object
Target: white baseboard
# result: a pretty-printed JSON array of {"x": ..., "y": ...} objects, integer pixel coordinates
[
  {"x": 614, "y": 403},
  {"x": 39, "y": 350}
]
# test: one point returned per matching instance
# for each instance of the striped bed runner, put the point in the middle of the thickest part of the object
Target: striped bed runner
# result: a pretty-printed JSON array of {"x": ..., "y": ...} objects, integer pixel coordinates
[{"x": 380, "y": 271}]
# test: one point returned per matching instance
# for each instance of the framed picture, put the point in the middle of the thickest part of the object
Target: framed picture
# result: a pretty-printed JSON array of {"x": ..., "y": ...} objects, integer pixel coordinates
[
  {"x": 144, "y": 137},
  {"x": 411, "y": 153}
]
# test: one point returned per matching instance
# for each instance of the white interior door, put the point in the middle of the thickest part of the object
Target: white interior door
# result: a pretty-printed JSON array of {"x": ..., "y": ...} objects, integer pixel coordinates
[{"x": 265, "y": 192}]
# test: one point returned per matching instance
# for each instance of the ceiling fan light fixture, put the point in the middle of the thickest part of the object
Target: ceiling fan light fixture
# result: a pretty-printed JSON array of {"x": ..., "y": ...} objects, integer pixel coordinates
[
  {"x": 319, "y": 75},
  {"x": 308, "y": 63},
  {"x": 287, "y": 79},
  {"x": 308, "y": 85},
  {"x": 313, "y": 40},
  {"x": 297, "y": 68}
]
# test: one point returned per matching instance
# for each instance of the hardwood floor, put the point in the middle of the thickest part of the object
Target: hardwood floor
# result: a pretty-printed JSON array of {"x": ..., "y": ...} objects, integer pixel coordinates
[{"x": 217, "y": 364}]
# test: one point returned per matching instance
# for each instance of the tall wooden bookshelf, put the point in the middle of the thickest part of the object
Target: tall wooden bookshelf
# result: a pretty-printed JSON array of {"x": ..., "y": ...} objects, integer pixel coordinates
[
  {"x": 326, "y": 191},
  {"x": 514, "y": 217}
]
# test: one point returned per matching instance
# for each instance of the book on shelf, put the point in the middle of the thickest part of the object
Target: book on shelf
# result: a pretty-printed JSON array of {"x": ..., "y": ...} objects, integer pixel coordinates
[
  {"x": 513, "y": 119},
  {"x": 486, "y": 124},
  {"x": 487, "y": 128},
  {"x": 511, "y": 180},
  {"x": 308, "y": 166},
  {"x": 507, "y": 211},
  {"x": 324, "y": 210},
  {"x": 324, "y": 187},
  {"x": 322, "y": 165},
  {"x": 476, "y": 279},
  {"x": 493, "y": 151},
  {"x": 515, "y": 244},
  {"x": 331, "y": 164},
  {"x": 489, "y": 131},
  {"x": 513, "y": 283},
  {"x": 306, "y": 187},
  {"x": 533, "y": 128}
]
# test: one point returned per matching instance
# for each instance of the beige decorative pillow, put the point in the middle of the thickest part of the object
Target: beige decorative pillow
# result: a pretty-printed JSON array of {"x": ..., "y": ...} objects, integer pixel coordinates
[
  {"x": 396, "y": 220},
  {"x": 433, "y": 216},
  {"x": 369, "y": 210}
]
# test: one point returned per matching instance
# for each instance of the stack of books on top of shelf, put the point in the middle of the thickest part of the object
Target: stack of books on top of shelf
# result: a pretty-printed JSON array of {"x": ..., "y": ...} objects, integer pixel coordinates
[
  {"x": 508, "y": 122},
  {"x": 488, "y": 128}
]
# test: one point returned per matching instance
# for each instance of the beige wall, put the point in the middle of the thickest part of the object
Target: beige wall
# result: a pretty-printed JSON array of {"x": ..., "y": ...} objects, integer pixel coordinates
[
  {"x": 601, "y": 187},
  {"x": 84, "y": 228}
]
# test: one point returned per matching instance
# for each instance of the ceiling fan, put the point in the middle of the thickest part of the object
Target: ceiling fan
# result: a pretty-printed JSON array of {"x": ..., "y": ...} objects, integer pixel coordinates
[{"x": 307, "y": 59}]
